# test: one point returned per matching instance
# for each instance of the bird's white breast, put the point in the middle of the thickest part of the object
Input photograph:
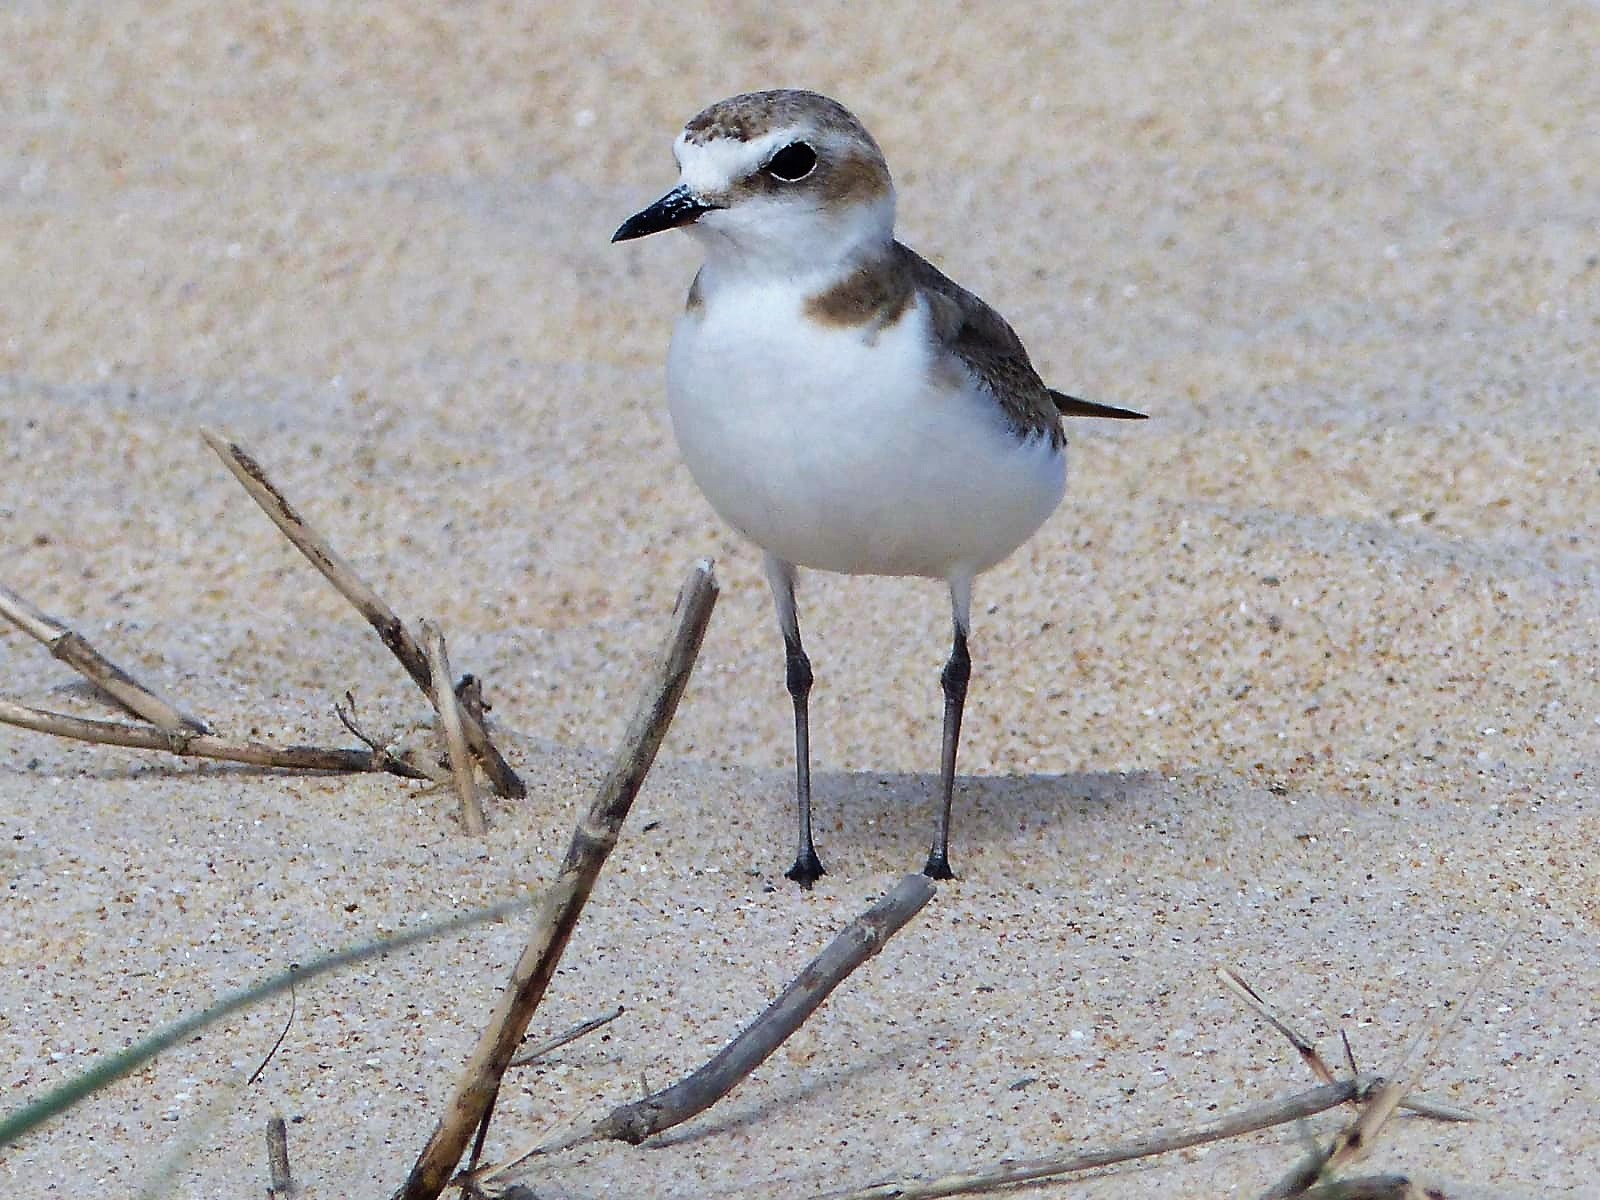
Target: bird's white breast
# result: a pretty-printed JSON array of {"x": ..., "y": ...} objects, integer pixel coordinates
[{"x": 841, "y": 448}]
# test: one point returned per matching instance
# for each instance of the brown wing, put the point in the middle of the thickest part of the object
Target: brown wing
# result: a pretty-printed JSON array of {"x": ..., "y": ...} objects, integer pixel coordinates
[
  {"x": 988, "y": 347},
  {"x": 994, "y": 354}
]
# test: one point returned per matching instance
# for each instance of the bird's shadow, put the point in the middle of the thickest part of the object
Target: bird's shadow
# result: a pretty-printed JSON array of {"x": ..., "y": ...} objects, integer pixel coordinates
[{"x": 873, "y": 814}]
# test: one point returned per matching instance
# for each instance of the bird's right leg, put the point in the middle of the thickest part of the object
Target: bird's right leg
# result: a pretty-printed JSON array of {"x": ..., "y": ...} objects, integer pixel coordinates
[{"x": 807, "y": 867}]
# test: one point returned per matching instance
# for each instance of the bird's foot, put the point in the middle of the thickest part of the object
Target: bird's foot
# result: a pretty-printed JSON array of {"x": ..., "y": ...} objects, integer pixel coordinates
[
  {"x": 807, "y": 869},
  {"x": 938, "y": 866}
]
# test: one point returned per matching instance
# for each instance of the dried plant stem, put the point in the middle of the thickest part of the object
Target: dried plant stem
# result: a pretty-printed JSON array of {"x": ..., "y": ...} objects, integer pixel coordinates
[
  {"x": 75, "y": 650},
  {"x": 1356, "y": 1140},
  {"x": 1248, "y": 1120},
  {"x": 450, "y": 719},
  {"x": 695, "y": 1093},
  {"x": 1257, "y": 1003},
  {"x": 280, "y": 1182},
  {"x": 1377, "y": 1096},
  {"x": 551, "y": 1044},
  {"x": 422, "y": 763},
  {"x": 366, "y": 601},
  {"x": 1370, "y": 1187},
  {"x": 204, "y": 745},
  {"x": 592, "y": 842}
]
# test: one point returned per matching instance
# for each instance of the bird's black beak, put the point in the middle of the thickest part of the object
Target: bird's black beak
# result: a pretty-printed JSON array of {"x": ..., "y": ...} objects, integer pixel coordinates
[{"x": 678, "y": 207}]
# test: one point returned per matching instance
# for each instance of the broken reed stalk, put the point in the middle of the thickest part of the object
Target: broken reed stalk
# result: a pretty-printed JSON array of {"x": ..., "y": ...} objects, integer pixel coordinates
[
  {"x": 1349, "y": 1144},
  {"x": 280, "y": 1181},
  {"x": 170, "y": 729},
  {"x": 1371, "y": 1187},
  {"x": 1356, "y": 1140},
  {"x": 204, "y": 745},
  {"x": 455, "y": 738},
  {"x": 75, "y": 650},
  {"x": 1258, "y": 1004},
  {"x": 692, "y": 1095},
  {"x": 551, "y": 1044},
  {"x": 367, "y": 602},
  {"x": 1373, "y": 1093},
  {"x": 592, "y": 842},
  {"x": 1164, "y": 1141}
]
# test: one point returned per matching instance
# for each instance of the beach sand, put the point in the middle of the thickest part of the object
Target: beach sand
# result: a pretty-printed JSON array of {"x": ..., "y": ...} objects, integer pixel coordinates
[{"x": 1301, "y": 678}]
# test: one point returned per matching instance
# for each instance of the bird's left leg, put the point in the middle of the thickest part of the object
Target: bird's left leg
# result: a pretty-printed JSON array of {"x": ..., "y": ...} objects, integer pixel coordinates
[
  {"x": 957, "y": 671},
  {"x": 807, "y": 867}
]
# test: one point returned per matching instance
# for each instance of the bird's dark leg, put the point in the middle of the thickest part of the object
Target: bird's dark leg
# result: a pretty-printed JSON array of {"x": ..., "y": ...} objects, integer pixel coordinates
[
  {"x": 807, "y": 867},
  {"x": 957, "y": 671}
]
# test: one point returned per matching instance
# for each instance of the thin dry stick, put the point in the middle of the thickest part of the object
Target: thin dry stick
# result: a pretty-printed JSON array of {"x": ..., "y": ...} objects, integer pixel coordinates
[
  {"x": 469, "y": 694},
  {"x": 1370, "y": 1187},
  {"x": 583, "y": 1029},
  {"x": 856, "y": 943},
  {"x": 75, "y": 650},
  {"x": 1349, "y": 1144},
  {"x": 280, "y": 1184},
  {"x": 203, "y": 745},
  {"x": 450, "y": 718},
  {"x": 592, "y": 842},
  {"x": 417, "y": 760},
  {"x": 1257, "y": 1003},
  {"x": 1248, "y": 1120},
  {"x": 366, "y": 601},
  {"x": 1355, "y": 1141}
]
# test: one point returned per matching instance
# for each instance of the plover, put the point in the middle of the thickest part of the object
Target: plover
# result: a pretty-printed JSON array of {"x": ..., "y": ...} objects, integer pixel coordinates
[{"x": 840, "y": 402}]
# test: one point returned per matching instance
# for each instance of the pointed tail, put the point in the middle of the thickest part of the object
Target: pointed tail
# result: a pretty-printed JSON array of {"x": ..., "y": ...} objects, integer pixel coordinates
[{"x": 1071, "y": 406}]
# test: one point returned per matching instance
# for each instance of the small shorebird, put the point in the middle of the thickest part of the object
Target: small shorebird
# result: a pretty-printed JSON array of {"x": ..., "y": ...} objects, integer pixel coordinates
[{"x": 840, "y": 402}]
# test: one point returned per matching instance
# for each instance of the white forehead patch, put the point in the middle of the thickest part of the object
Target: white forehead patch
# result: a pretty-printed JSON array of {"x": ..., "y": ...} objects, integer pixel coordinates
[{"x": 710, "y": 168}]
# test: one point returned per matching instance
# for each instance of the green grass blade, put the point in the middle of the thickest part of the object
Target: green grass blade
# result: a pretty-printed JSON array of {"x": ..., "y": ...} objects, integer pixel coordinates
[{"x": 113, "y": 1067}]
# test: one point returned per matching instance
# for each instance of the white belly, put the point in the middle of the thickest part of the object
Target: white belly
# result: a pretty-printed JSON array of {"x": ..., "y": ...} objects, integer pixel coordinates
[{"x": 842, "y": 453}]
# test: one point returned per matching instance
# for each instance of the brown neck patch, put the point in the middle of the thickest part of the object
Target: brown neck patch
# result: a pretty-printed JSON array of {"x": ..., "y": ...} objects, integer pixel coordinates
[{"x": 872, "y": 297}]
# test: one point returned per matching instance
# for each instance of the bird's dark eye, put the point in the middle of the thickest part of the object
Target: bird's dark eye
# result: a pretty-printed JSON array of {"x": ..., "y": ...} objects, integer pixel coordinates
[{"x": 793, "y": 162}]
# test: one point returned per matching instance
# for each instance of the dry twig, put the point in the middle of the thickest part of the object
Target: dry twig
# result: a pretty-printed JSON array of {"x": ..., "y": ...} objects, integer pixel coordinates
[
  {"x": 1375, "y": 1094},
  {"x": 1371, "y": 1187},
  {"x": 203, "y": 745},
  {"x": 1356, "y": 1140},
  {"x": 1421, "y": 1105},
  {"x": 856, "y": 943},
  {"x": 280, "y": 1184},
  {"x": 1257, "y": 1003},
  {"x": 455, "y": 737},
  {"x": 592, "y": 842},
  {"x": 75, "y": 650},
  {"x": 1248, "y": 1120},
  {"x": 551, "y": 1044},
  {"x": 366, "y": 601},
  {"x": 424, "y": 765}
]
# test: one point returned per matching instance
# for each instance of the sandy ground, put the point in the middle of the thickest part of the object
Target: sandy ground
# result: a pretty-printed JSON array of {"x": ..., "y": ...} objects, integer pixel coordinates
[{"x": 1302, "y": 676}]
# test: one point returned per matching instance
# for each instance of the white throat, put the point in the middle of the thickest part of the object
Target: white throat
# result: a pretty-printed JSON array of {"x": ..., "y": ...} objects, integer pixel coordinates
[{"x": 762, "y": 238}]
